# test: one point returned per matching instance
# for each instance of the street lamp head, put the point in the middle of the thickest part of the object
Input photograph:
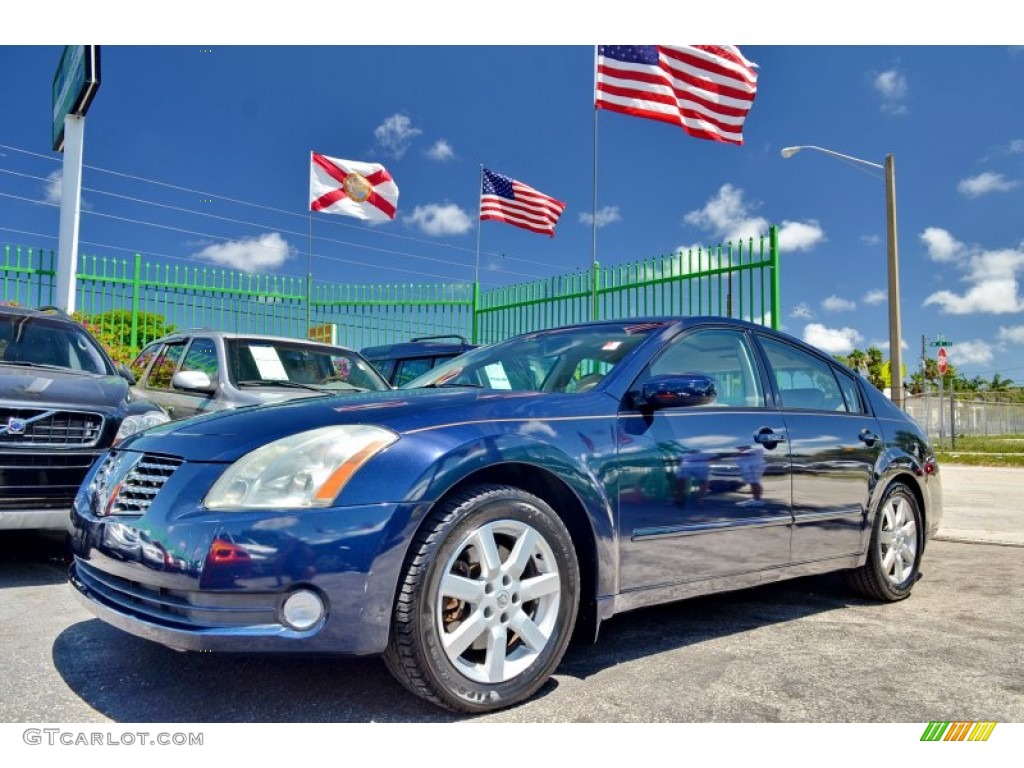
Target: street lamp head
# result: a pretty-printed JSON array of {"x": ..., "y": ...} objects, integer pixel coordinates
[{"x": 788, "y": 152}]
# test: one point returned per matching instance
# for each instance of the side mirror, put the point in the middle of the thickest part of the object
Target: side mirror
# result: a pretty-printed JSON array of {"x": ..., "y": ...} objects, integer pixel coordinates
[
  {"x": 676, "y": 391},
  {"x": 194, "y": 381},
  {"x": 126, "y": 373}
]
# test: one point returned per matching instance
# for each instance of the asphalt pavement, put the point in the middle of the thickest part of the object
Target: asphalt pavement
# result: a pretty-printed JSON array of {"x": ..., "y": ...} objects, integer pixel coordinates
[
  {"x": 805, "y": 650},
  {"x": 983, "y": 504}
]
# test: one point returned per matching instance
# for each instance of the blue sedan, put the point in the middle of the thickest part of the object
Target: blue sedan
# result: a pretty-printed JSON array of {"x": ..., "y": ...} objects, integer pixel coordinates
[{"x": 467, "y": 526}]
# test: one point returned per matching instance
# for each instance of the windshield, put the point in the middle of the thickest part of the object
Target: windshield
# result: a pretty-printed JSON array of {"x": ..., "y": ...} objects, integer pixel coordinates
[
  {"x": 41, "y": 341},
  {"x": 564, "y": 360},
  {"x": 262, "y": 362}
]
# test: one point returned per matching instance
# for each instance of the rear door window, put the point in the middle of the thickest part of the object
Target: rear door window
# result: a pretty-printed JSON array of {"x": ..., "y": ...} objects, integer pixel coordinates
[
  {"x": 165, "y": 365},
  {"x": 804, "y": 381}
]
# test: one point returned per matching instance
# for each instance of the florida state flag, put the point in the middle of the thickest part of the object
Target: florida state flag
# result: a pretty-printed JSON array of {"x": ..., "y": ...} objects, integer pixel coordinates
[{"x": 351, "y": 188}]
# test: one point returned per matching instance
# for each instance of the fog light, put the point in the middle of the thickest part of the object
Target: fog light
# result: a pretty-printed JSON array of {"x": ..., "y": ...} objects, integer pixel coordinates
[{"x": 302, "y": 609}]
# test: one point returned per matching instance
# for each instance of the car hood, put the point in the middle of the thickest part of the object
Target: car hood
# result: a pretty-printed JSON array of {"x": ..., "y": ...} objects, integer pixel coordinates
[
  {"x": 228, "y": 435},
  {"x": 50, "y": 388}
]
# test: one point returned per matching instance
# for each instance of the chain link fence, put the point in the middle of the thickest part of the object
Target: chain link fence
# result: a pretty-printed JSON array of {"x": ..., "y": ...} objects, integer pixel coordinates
[{"x": 945, "y": 418}]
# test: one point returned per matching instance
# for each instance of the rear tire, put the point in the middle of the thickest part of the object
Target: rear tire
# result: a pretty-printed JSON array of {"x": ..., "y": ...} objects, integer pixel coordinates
[
  {"x": 894, "y": 556},
  {"x": 487, "y": 601}
]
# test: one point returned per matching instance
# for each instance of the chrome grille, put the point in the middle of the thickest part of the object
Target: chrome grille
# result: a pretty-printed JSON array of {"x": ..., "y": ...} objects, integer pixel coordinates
[
  {"x": 143, "y": 481},
  {"x": 46, "y": 427}
]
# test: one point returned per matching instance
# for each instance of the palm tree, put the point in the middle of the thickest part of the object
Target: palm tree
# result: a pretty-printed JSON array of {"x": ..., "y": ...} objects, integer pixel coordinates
[
  {"x": 874, "y": 363},
  {"x": 999, "y": 384},
  {"x": 856, "y": 360}
]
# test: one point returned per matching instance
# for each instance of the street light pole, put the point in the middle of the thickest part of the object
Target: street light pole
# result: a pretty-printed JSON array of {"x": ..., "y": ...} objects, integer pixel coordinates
[{"x": 895, "y": 336}]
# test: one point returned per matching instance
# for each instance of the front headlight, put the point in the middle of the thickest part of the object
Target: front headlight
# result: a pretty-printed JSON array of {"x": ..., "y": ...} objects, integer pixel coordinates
[
  {"x": 304, "y": 470},
  {"x": 138, "y": 422}
]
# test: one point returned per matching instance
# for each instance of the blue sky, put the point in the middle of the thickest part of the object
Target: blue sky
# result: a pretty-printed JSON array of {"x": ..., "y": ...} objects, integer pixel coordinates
[{"x": 221, "y": 133}]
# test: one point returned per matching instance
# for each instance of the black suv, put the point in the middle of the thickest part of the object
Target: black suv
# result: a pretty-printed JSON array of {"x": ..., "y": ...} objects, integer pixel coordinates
[
  {"x": 63, "y": 402},
  {"x": 403, "y": 362}
]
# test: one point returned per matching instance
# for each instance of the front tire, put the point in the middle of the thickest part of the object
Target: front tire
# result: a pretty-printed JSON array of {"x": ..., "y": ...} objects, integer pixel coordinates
[
  {"x": 487, "y": 601},
  {"x": 897, "y": 542}
]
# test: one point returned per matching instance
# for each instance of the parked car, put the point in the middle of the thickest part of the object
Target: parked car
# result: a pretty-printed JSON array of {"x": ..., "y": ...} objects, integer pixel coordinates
[
  {"x": 402, "y": 362},
  {"x": 63, "y": 402},
  {"x": 196, "y": 371},
  {"x": 466, "y": 526}
]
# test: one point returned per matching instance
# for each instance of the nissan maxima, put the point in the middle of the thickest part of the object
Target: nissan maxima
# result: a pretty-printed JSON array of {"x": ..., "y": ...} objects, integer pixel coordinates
[{"x": 466, "y": 526}]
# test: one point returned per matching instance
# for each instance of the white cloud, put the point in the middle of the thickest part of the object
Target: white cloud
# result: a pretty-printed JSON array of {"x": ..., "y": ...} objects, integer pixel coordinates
[
  {"x": 967, "y": 352},
  {"x": 835, "y": 341},
  {"x": 441, "y": 151},
  {"x": 728, "y": 217},
  {"x": 447, "y": 219},
  {"x": 54, "y": 187},
  {"x": 395, "y": 135},
  {"x": 870, "y": 239},
  {"x": 802, "y": 310},
  {"x": 875, "y": 297},
  {"x": 892, "y": 85},
  {"x": 800, "y": 236},
  {"x": 994, "y": 288},
  {"x": 838, "y": 304},
  {"x": 993, "y": 297},
  {"x": 607, "y": 215},
  {"x": 984, "y": 183},
  {"x": 252, "y": 254},
  {"x": 1017, "y": 147},
  {"x": 942, "y": 246},
  {"x": 883, "y": 345},
  {"x": 1013, "y": 333}
]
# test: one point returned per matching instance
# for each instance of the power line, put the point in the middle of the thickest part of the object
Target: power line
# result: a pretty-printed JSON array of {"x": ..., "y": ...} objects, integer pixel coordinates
[
  {"x": 228, "y": 239},
  {"x": 282, "y": 211},
  {"x": 261, "y": 226}
]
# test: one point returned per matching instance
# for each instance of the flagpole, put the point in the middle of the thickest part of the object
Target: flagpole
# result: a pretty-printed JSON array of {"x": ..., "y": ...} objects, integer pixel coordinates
[
  {"x": 479, "y": 214},
  {"x": 309, "y": 271},
  {"x": 309, "y": 252},
  {"x": 593, "y": 257},
  {"x": 475, "y": 331}
]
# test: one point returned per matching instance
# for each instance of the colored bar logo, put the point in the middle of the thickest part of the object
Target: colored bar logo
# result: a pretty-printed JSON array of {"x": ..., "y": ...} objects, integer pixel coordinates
[{"x": 958, "y": 731}]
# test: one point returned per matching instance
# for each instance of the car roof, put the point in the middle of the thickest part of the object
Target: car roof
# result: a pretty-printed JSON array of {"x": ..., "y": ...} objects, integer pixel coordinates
[
  {"x": 422, "y": 348},
  {"x": 211, "y": 332},
  {"x": 55, "y": 313}
]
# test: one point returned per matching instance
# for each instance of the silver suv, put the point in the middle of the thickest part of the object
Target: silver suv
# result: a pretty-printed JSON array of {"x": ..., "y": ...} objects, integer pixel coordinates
[{"x": 197, "y": 371}]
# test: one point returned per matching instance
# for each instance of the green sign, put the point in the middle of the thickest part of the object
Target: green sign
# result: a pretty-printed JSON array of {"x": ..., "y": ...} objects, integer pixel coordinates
[{"x": 74, "y": 84}]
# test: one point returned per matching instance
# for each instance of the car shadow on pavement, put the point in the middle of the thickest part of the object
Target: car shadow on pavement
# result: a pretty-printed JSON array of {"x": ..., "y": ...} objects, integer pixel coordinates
[
  {"x": 671, "y": 626},
  {"x": 33, "y": 558},
  {"x": 128, "y": 679}
]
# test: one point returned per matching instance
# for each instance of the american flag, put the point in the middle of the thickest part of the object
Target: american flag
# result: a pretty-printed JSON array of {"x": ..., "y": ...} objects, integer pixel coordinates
[
  {"x": 515, "y": 203},
  {"x": 707, "y": 90}
]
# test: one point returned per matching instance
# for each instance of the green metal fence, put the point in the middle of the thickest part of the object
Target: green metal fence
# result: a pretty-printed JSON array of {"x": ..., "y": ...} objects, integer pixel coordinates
[{"x": 735, "y": 280}]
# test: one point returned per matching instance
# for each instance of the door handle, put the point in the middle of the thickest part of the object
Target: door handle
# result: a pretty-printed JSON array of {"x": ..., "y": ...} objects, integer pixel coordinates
[
  {"x": 868, "y": 437},
  {"x": 769, "y": 438}
]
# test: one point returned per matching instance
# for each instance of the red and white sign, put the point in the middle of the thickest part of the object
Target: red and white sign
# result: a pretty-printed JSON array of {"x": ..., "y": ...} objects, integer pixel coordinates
[{"x": 943, "y": 364}]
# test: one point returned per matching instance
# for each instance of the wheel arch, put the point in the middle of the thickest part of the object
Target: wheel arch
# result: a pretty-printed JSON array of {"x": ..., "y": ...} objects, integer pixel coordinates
[
  {"x": 901, "y": 468},
  {"x": 572, "y": 511}
]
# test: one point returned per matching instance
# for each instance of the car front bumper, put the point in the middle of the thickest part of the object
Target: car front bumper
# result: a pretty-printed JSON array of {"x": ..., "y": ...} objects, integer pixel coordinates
[
  {"x": 34, "y": 519},
  {"x": 218, "y": 583}
]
